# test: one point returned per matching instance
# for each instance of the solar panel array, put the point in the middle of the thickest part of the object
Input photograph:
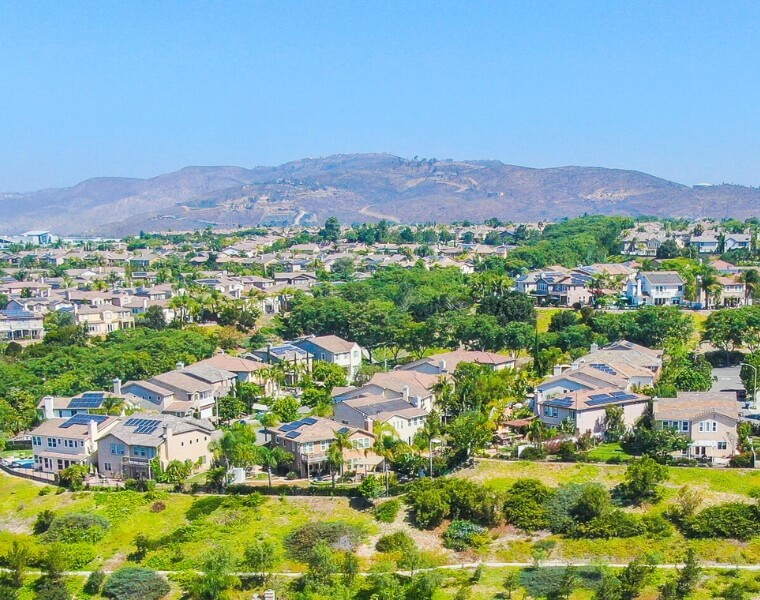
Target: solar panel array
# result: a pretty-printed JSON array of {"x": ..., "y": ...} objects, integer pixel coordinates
[
  {"x": 296, "y": 424},
  {"x": 88, "y": 400},
  {"x": 344, "y": 430},
  {"x": 83, "y": 419},
  {"x": 562, "y": 402},
  {"x": 291, "y": 435},
  {"x": 598, "y": 399},
  {"x": 146, "y": 426},
  {"x": 604, "y": 368}
]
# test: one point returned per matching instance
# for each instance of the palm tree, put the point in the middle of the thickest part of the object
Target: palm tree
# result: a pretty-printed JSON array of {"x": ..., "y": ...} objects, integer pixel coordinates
[
  {"x": 537, "y": 431},
  {"x": 334, "y": 460},
  {"x": 751, "y": 279},
  {"x": 341, "y": 443},
  {"x": 269, "y": 458},
  {"x": 386, "y": 438}
]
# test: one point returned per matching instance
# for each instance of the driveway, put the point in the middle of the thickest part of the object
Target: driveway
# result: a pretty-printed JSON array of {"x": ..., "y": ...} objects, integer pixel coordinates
[{"x": 727, "y": 379}]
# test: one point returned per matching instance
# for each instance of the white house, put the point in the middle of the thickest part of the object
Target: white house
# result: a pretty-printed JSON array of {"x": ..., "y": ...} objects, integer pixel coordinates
[{"x": 656, "y": 288}]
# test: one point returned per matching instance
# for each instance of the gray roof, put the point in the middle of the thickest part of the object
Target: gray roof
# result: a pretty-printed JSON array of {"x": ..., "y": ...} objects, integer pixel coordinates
[
  {"x": 177, "y": 425},
  {"x": 663, "y": 277}
]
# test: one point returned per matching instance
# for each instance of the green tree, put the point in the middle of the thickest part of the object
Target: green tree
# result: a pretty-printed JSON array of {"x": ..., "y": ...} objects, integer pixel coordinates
[
  {"x": 271, "y": 458},
  {"x": 17, "y": 560},
  {"x": 370, "y": 488},
  {"x": 470, "y": 432},
  {"x": 614, "y": 423},
  {"x": 262, "y": 557},
  {"x": 322, "y": 565},
  {"x": 286, "y": 408},
  {"x": 153, "y": 318},
  {"x": 238, "y": 446},
  {"x": 643, "y": 479},
  {"x": 217, "y": 579}
]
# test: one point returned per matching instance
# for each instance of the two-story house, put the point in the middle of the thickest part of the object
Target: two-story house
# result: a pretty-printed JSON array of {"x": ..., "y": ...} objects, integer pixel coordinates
[
  {"x": 309, "y": 439},
  {"x": 126, "y": 451},
  {"x": 707, "y": 419},
  {"x": 21, "y": 325},
  {"x": 336, "y": 350},
  {"x": 446, "y": 362},
  {"x": 364, "y": 411},
  {"x": 104, "y": 319},
  {"x": 658, "y": 288},
  {"x": 58, "y": 444},
  {"x": 175, "y": 393}
]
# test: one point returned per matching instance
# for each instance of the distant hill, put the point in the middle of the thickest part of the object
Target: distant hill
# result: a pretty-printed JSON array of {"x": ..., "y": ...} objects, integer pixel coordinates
[{"x": 357, "y": 188}]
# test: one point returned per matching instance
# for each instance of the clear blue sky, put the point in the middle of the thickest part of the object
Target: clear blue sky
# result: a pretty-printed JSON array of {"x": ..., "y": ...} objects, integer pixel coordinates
[{"x": 138, "y": 89}]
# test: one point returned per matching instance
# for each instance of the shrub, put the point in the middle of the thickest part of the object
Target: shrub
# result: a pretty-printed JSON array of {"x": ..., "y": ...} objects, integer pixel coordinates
[
  {"x": 94, "y": 583},
  {"x": 430, "y": 507},
  {"x": 291, "y": 475},
  {"x": 340, "y": 536},
  {"x": 52, "y": 590},
  {"x": 399, "y": 541},
  {"x": 134, "y": 583},
  {"x": 76, "y": 556},
  {"x": 462, "y": 535},
  {"x": 387, "y": 511},
  {"x": 77, "y": 527},
  {"x": 45, "y": 491},
  {"x": 657, "y": 526},
  {"x": 615, "y": 523},
  {"x": 734, "y": 520},
  {"x": 741, "y": 461},
  {"x": 43, "y": 522},
  {"x": 525, "y": 505},
  {"x": 157, "y": 507},
  {"x": 533, "y": 453}
]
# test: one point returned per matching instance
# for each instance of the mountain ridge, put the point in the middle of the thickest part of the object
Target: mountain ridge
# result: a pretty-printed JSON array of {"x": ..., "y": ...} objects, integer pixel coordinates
[{"x": 361, "y": 187}]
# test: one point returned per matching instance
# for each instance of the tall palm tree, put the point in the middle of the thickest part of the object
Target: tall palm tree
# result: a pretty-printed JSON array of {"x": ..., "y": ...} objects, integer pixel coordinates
[
  {"x": 269, "y": 458},
  {"x": 334, "y": 460},
  {"x": 386, "y": 438},
  {"x": 751, "y": 279}
]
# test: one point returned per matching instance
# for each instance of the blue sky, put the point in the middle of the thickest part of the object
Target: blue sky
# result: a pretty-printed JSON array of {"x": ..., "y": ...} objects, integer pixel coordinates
[{"x": 137, "y": 89}]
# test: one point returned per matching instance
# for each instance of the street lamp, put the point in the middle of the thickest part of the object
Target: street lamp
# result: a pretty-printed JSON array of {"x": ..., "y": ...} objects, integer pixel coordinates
[
  {"x": 436, "y": 441},
  {"x": 754, "y": 383}
]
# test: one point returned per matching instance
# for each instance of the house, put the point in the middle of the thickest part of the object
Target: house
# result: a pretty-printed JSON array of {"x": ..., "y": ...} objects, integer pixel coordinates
[
  {"x": 126, "y": 451},
  {"x": 712, "y": 243},
  {"x": 707, "y": 419},
  {"x": 364, "y": 411},
  {"x": 656, "y": 288},
  {"x": 587, "y": 408},
  {"x": 291, "y": 357},
  {"x": 733, "y": 291},
  {"x": 177, "y": 393},
  {"x": 21, "y": 325},
  {"x": 309, "y": 439},
  {"x": 104, "y": 319},
  {"x": 58, "y": 407},
  {"x": 246, "y": 370},
  {"x": 582, "y": 375},
  {"x": 564, "y": 290},
  {"x": 412, "y": 387},
  {"x": 335, "y": 350},
  {"x": 57, "y": 444},
  {"x": 446, "y": 362},
  {"x": 626, "y": 352}
]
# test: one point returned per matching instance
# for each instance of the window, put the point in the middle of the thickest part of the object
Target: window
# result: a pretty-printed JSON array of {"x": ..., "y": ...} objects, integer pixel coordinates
[
  {"x": 324, "y": 445},
  {"x": 307, "y": 448},
  {"x": 51, "y": 443},
  {"x": 36, "y": 440},
  {"x": 685, "y": 426},
  {"x": 551, "y": 411},
  {"x": 722, "y": 445},
  {"x": 107, "y": 467},
  {"x": 117, "y": 449}
]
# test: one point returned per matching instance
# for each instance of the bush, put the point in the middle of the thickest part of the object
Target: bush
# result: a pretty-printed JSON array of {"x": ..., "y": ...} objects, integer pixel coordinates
[
  {"x": 462, "y": 535},
  {"x": 77, "y": 527},
  {"x": 525, "y": 505},
  {"x": 44, "y": 520},
  {"x": 291, "y": 475},
  {"x": 657, "y": 526},
  {"x": 52, "y": 590},
  {"x": 134, "y": 583},
  {"x": 157, "y": 507},
  {"x": 77, "y": 555},
  {"x": 741, "y": 461},
  {"x": 399, "y": 541},
  {"x": 431, "y": 506},
  {"x": 533, "y": 453},
  {"x": 94, "y": 583},
  {"x": 387, "y": 511},
  {"x": 340, "y": 536},
  {"x": 140, "y": 485},
  {"x": 734, "y": 520},
  {"x": 615, "y": 523}
]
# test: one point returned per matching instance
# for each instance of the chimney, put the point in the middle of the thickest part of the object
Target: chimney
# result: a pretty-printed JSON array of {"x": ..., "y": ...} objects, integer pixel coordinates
[
  {"x": 49, "y": 414},
  {"x": 405, "y": 392},
  {"x": 574, "y": 365},
  {"x": 117, "y": 386},
  {"x": 442, "y": 366},
  {"x": 416, "y": 400},
  {"x": 92, "y": 428},
  {"x": 369, "y": 423},
  {"x": 145, "y": 303},
  {"x": 180, "y": 365},
  {"x": 557, "y": 370},
  {"x": 594, "y": 347}
]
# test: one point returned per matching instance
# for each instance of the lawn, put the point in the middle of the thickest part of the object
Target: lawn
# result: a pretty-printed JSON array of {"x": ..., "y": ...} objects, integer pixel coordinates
[
  {"x": 544, "y": 317},
  {"x": 608, "y": 451}
]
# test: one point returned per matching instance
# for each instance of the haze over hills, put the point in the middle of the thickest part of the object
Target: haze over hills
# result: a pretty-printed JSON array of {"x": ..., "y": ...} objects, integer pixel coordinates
[{"x": 357, "y": 188}]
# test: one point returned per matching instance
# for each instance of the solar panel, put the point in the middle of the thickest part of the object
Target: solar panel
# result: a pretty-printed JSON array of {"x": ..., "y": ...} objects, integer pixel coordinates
[
  {"x": 344, "y": 430},
  {"x": 83, "y": 419},
  {"x": 94, "y": 395},
  {"x": 597, "y": 397},
  {"x": 148, "y": 427},
  {"x": 84, "y": 403},
  {"x": 292, "y": 434},
  {"x": 289, "y": 426},
  {"x": 309, "y": 421},
  {"x": 620, "y": 394},
  {"x": 563, "y": 402}
]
